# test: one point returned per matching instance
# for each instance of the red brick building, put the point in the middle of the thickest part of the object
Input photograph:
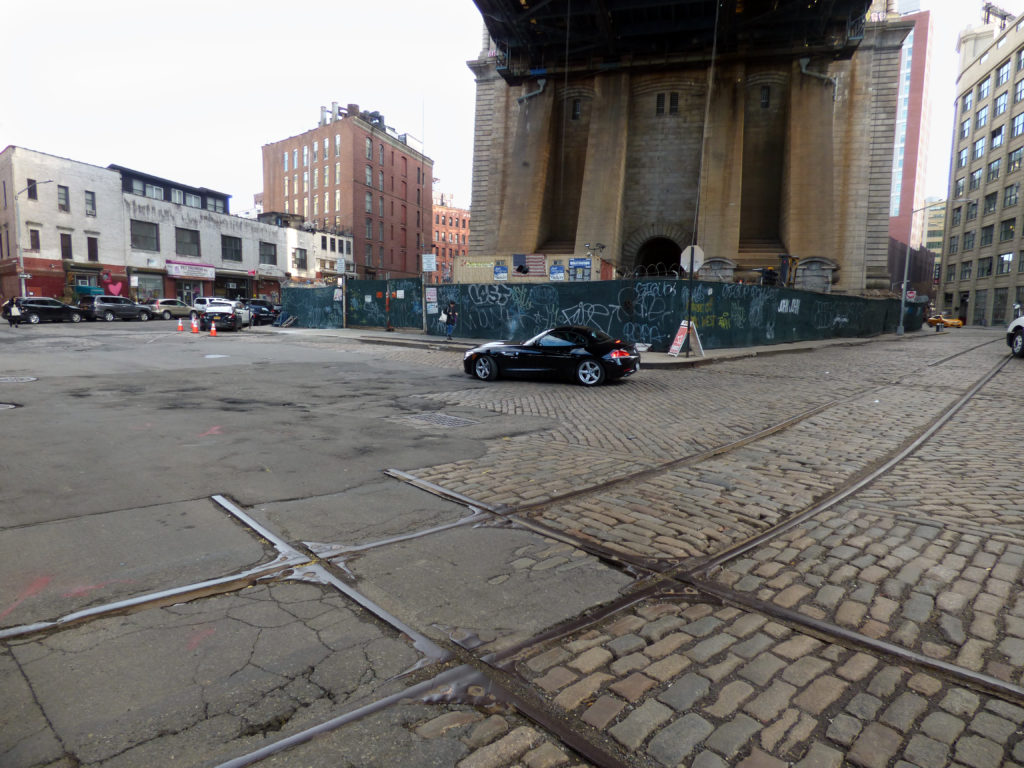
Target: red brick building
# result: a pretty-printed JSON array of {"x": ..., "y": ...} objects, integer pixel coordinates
[
  {"x": 353, "y": 174},
  {"x": 450, "y": 237}
]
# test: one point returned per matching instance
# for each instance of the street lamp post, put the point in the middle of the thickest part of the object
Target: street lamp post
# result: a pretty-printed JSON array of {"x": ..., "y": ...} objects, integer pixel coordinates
[
  {"x": 906, "y": 264},
  {"x": 17, "y": 232}
]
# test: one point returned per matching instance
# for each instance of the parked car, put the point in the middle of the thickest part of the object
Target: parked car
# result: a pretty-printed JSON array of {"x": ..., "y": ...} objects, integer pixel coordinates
[
  {"x": 572, "y": 352},
  {"x": 168, "y": 308},
  {"x": 263, "y": 311},
  {"x": 945, "y": 322},
  {"x": 110, "y": 308},
  {"x": 43, "y": 310},
  {"x": 225, "y": 315}
]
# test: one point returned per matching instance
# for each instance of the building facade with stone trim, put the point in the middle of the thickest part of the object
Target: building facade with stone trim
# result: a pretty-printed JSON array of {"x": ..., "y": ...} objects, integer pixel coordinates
[
  {"x": 793, "y": 157},
  {"x": 982, "y": 272}
]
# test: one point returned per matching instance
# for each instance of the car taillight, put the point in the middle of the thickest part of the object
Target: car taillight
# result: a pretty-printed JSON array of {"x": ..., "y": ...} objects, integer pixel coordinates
[{"x": 618, "y": 353}]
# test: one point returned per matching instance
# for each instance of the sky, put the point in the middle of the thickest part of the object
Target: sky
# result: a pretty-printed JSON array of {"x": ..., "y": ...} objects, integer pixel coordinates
[{"x": 192, "y": 90}]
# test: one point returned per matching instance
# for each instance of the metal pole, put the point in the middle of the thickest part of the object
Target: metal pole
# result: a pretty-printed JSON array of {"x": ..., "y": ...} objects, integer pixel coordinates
[
  {"x": 903, "y": 285},
  {"x": 689, "y": 302}
]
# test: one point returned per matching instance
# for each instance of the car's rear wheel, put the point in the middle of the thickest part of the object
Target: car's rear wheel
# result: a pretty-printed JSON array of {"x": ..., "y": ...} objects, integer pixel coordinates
[
  {"x": 108, "y": 316},
  {"x": 1017, "y": 345},
  {"x": 589, "y": 373},
  {"x": 167, "y": 314},
  {"x": 76, "y": 317},
  {"x": 144, "y": 316},
  {"x": 485, "y": 368},
  {"x": 33, "y": 318}
]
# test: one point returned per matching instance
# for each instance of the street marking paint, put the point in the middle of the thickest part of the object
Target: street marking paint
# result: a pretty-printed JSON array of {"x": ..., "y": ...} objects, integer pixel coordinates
[
  {"x": 212, "y": 431},
  {"x": 34, "y": 588}
]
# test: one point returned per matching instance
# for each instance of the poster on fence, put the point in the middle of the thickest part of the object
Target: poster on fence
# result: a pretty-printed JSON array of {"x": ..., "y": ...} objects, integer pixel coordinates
[{"x": 686, "y": 329}]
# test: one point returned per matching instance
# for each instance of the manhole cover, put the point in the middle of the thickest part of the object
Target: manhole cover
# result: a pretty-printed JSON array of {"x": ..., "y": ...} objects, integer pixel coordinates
[
  {"x": 7, "y": 406},
  {"x": 16, "y": 380},
  {"x": 443, "y": 420}
]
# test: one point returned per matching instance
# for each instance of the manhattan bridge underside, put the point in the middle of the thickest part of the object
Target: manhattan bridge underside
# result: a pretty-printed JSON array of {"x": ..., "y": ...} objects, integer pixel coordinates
[{"x": 545, "y": 37}]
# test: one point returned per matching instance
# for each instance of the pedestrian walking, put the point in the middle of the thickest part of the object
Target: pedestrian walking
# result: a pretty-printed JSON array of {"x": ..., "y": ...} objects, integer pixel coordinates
[
  {"x": 13, "y": 314},
  {"x": 451, "y": 319}
]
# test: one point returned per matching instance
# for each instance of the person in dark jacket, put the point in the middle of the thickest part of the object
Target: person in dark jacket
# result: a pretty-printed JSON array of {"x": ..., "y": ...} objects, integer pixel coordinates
[{"x": 451, "y": 320}]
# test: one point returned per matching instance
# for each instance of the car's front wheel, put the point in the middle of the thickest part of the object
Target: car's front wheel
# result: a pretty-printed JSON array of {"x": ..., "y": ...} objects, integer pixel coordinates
[
  {"x": 589, "y": 373},
  {"x": 485, "y": 369},
  {"x": 108, "y": 316},
  {"x": 1017, "y": 345},
  {"x": 33, "y": 318},
  {"x": 167, "y": 314},
  {"x": 76, "y": 317}
]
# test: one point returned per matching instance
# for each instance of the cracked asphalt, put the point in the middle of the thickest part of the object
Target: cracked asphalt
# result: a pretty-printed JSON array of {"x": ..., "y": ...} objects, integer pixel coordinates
[{"x": 298, "y": 548}]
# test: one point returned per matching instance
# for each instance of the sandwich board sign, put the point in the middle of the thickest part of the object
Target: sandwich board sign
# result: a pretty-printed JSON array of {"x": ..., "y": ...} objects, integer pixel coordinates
[{"x": 686, "y": 329}]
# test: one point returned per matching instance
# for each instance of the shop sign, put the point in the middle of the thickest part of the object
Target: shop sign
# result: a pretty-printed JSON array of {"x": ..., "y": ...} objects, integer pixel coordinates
[
  {"x": 195, "y": 271},
  {"x": 269, "y": 270}
]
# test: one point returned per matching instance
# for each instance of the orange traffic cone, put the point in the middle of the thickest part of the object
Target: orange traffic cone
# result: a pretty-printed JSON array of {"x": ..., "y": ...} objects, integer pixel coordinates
[
  {"x": 195, "y": 325},
  {"x": 213, "y": 328},
  {"x": 181, "y": 327}
]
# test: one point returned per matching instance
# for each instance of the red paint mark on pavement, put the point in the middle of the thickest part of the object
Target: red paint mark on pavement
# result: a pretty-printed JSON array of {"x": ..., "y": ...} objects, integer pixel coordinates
[
  {"x": 34, "y": 588},
  {"x": 211, "y": 431},
  {"x": 79, "y": 591},
  {"x": 198, "y": 636}
]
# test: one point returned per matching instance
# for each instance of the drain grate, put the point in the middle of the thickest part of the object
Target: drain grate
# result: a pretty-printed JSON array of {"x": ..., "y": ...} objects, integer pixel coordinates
[
  {"x": 16, "y": 379},
  {"x": 443, "y": 420}
]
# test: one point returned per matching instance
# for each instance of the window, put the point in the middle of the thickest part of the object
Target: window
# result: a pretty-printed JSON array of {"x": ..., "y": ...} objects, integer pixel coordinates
[
  {"x": 33, "y": 239},
  {"x": 285, "y": 162},
  {"x": 31, "y": 189},
  {"x": 230, "y": 248},
  {"x": 1015, "y": 158},
  {"x": 214, "y": 204},
  {"x": 337, "y": 145},
  {"x": 766, "y": 96},
  {"x": 380, "y": 155},
  {"x": 369, "y": 202},
  {"x": 1010, "y": 195},
  {"x": 954, "y": 243},
  {"x": 1001, "y": 101},
  {"x": 193, "y": 200},
  {"x": 950, "y": 273},
  {"x": 380, "y": 180},
  {"x": 92, "y": 248},
  {"x": 961, "y": 158},
  {"x": 316, "y": 178},
  {"x": 577, "y": 109},
  {"x": 968, "y": 102},
  {"x": 1007, "y": 229},
  {"x": 991, "y": 200},
  {"x": 65, "y": 246},
  {"x": 299, "y": 258},
  {"x": 295, "y": 159},
  {"x": 90, "y": 203},
  {"x": 380, "y": 231},
  {"x": 956, "y": 216},
  {"x": 369, "y": 175},
  {"x": 1018, "y": 91},
  {"x": 997, "y": 137},
  {"x": 1018, "y": 125},
  {"x": 985, "y": 267},
  {"x": 305, "y": 156},
  {"x": 1003, "y": 73},
  {"x": 981, "y": 119},
  {"x": 969, "y": 241},
  {"x": 958, "y": 189},
  {"x": 369, "y": 228},
  {"x": 972, "y": 210},
  {"x": 177, "y": 196},
  {"x": 268, "y": 253},
  {"x": 316, "y": 152},
  {"x": 186, "y": 242},
  {"x": 673, "y": 102},
  {"x": 337, "y": 173},
  {"x": 1004, "y": 263},
  {"x": 965, "y": 126},
  {"x": 985, "y": 88},
  {"x": 145, "y": 235},
  {"x": 369, "y": 254},
  {"x": 965, "y": 270},
  {"x": 154, "y": 192},
  {"x": 63, "y": 199},
  {"x": 993, "y": 170},
  {"x": 987, "y": 233},
  {"x": 975, "y": 180},
  {"x": 979, "y": 148},
  {"x": 305, "y": 181},
  {"x": 369, "y": 150},
  {"x": 659, "y": 104}
]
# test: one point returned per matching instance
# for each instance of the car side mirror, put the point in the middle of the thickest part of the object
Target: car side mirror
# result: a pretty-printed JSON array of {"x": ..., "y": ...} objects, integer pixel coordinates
[{"x": 1016, "y": 311}]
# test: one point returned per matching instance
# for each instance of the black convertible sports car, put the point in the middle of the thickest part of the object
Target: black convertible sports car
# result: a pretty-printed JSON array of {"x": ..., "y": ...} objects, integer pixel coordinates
[{"x": 570, "y": 351}]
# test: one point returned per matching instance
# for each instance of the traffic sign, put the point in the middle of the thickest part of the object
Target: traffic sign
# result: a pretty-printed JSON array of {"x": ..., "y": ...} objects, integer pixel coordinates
[{"x": 911, "y": 295}]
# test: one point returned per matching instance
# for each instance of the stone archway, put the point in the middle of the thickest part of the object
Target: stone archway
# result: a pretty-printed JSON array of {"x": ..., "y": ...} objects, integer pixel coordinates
[{"x": 655, "y": 248}]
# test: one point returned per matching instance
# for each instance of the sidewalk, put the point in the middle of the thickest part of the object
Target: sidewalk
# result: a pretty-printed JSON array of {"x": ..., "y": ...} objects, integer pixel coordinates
[{"x": 649, "y": 359}]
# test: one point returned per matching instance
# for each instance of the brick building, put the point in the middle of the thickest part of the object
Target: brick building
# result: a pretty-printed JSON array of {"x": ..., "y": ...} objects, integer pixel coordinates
[
  {"x": 450, "y": 238},
  {"x": 355, "y": 175}
]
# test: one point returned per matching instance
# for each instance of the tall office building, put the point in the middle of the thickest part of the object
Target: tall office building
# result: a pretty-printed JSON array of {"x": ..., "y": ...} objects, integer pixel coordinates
[
  {"x": 982, "y": 272},
  {"x": 354, "y": 174}
]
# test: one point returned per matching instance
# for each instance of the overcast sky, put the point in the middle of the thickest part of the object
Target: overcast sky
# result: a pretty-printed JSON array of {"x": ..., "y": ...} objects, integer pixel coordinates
[{"x": 191, "y": 90}]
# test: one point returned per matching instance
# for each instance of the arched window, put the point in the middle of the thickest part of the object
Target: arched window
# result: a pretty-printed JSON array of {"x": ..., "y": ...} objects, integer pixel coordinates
[
  {"x": 369, "y": 176},
  {"x": 369, "y": 150},
  {"x": 380, "y": 180}
]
